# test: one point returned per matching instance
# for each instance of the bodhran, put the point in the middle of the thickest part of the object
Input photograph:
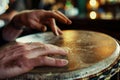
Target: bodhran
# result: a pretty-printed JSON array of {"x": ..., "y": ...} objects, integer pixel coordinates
[{"x": 92, "y": 56}]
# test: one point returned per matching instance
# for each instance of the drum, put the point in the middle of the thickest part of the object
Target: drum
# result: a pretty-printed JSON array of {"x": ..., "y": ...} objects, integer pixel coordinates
[{"x": 92, "y": 56}]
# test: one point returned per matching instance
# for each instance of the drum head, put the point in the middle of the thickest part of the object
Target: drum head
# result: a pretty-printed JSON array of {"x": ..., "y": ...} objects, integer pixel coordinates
[{"x": 89, "y": 53}]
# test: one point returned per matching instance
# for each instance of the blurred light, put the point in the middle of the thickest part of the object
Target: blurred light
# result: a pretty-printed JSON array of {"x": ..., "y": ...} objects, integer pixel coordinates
[
  {"x": 93, "y": 15},
  {"x": 93, "y": 3},
  {"x": 107, "y": 15},
  {"x": 111, "y": 0},
  {"x": 70, "y": 35},
  {"x": 72, "y": 12}
]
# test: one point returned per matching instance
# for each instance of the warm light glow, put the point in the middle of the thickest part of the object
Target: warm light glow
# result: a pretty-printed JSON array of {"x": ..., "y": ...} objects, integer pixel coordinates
[
  {"x": 69, "y": 36},
  {"x": 102, "y": 1},
  {"x": 93, "y": 15},
  {"x": 107, "y": 15},
  {"x": 93, "y": 3}
]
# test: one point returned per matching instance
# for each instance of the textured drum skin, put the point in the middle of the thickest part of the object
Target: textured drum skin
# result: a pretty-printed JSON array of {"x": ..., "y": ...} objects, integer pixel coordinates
[{"x": 86, "y": 49}]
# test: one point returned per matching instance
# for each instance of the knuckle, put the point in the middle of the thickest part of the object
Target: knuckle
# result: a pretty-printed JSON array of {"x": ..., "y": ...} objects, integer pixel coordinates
[
  {"x": 45, "y": 47},
  {"x": 51, "y": 13},
  {"x": 55, "y": 11},
  {"x": 31, "y": 24}
]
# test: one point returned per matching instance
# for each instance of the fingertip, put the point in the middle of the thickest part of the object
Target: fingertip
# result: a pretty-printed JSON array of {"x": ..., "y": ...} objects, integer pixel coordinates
[
  {"x": 60, "y": 32},
  {"x": 66, "y": 49},
  {"x": 69, "y": 22},
  {"x": 64, "y": 62},
  {"x": 56, "y": 33},
  {"x": 64, "y": 52}
]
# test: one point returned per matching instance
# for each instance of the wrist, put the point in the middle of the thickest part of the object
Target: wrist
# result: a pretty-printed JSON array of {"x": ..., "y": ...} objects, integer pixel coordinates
[
  {"x": 10, "y": 33},
  {"x": 2, "y": 40}
]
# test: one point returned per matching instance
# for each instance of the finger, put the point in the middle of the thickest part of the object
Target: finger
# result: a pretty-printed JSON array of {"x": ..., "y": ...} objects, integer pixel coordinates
[
  {"x": 32, "y": 45},
  {"x": 48, "y": 61},
  {"x": 13, "y": 51},
  {"x": 62, "y": 15},
  {"x": 53, "y": 26},
  {"x": 58, "y": 17},
  {"x": 52, "y": 49},
  {"x": 59, "y": 31},
  {"x": 19, "y": 49},
  {"x": 45, "y": 50}
]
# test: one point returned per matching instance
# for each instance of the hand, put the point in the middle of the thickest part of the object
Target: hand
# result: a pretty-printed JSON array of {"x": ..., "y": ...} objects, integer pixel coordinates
[
  {"x": 36, "y": 19},
  {"x": 20, "y": 58},
  {"x": 39, "y": 19}
]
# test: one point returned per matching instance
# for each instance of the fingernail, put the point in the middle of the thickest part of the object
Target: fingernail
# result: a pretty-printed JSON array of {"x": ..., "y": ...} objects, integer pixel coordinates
[{"x": 64, "y": 62}]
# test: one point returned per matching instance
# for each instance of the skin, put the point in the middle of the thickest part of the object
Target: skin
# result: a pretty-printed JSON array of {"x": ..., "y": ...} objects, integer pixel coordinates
[
  {"x": 35, "y": 19},
  {"x": 19, "y": 58},
  {"x": 8, "y": 16}
]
